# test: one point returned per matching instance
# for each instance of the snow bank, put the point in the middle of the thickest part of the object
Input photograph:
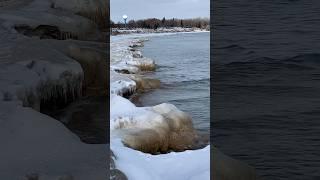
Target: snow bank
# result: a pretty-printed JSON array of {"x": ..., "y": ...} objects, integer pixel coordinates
[
  {"x": 33, "y": 143},
  {"x": 187, "y": 165}
]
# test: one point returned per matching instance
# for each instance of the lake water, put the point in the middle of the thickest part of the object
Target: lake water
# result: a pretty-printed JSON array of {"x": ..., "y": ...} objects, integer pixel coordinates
[
  {"x": 183, "y": 67},
  {"x": 266, "y": 84}
]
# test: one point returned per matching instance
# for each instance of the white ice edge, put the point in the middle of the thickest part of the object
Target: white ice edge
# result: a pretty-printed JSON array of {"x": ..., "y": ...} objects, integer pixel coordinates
[{"x": 187, "y": 165}]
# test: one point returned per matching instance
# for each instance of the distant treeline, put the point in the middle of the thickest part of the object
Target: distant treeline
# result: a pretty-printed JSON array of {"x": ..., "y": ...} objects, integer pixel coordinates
[{"x": 154, "y": 23}]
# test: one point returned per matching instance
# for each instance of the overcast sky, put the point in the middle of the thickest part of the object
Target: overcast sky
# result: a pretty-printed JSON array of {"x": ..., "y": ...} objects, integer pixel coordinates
[{"x": 140, "y": 9}]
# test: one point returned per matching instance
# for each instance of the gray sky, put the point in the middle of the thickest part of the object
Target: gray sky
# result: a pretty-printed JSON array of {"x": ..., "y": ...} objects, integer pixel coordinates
[{"x": 140, "y": 9}]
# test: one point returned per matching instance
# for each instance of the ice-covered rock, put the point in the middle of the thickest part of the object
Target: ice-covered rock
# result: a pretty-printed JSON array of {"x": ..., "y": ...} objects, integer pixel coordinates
[
  {"x": 144, "y": 83},
  {"x": 121, "y": 84},
  {"x": 151, "y": 129},
  {"x": 123, "y": 57},
  {"x": 137, "y": 54}
]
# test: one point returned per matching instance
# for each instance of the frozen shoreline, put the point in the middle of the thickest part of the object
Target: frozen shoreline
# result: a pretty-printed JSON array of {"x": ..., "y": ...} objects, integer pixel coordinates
[
  {"x": 138, "y": 165},
  {"x": 126, "y": 117},
  {"x": 117, "y": 31}
]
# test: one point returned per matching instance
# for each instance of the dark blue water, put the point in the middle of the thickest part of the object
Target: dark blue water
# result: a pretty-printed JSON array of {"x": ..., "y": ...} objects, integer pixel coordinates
[
  {"x": 266, "y": 85},
  {"x": 183, "y": 69}
]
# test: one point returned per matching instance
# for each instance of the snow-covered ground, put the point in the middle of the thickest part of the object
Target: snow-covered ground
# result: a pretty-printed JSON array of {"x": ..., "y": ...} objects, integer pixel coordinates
[
  {"x": 137, "y": 131},
  {"x": 187, "y": 165},
  {"x": 158, "y": 30}
]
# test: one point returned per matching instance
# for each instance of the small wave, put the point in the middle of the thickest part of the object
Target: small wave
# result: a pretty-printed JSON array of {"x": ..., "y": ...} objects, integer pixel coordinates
[
  {"x": 233, "y": 46},
  {"x": 187, "y": 82},
  {"x": 164, "y": 67},
  {"x": 305, "y": 58},
  {"x": 299, "y": 62}
]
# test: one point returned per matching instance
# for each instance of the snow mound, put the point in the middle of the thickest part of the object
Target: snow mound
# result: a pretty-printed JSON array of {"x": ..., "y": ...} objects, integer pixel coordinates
[
  {"x": 187, "y": 165},
  {"x": 33, "y": 143}
]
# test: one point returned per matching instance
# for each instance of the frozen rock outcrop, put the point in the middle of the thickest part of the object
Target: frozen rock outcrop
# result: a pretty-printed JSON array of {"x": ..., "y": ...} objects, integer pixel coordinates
[{"x": 151, "y": 129}]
